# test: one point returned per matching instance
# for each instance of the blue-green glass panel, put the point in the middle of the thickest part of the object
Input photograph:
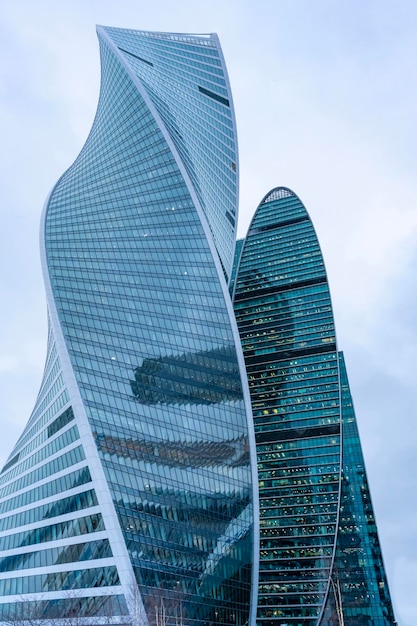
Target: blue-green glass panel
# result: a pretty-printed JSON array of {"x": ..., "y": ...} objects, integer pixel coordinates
[
  {"x": 143, "y": 307},
  {"x": 284, "y": 315}
]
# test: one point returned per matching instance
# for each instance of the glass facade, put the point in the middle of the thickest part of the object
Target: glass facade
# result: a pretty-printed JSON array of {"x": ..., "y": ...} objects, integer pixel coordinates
[
  {"x": 309, "y": 502},
  {"x": 359, "y": 584},
  {"x": 185, "y": 78},
  {"x": 132, "y": 494},
  {"x": 134, "y": 467}
]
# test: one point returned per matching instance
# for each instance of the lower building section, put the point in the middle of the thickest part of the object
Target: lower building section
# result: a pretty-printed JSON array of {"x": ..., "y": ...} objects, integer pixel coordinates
[
  {"x": 75, "y": 608},
  {"x": 320, "y": 559}
]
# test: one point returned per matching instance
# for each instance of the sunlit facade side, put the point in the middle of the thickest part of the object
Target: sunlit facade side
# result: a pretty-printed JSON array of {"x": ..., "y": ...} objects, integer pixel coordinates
[
  {"x": 320, "y": 557},
  {"x": 135, "y": 465}
]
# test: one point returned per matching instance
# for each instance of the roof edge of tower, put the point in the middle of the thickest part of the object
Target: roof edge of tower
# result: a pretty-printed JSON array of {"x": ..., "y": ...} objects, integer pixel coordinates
[
  {"x": 277, "y": 193},
  {"x": 194, "y": 38}
]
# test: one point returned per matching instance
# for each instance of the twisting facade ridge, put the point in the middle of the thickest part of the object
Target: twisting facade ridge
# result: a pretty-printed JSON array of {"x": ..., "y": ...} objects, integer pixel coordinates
[
  {"x": 135, "y": 464},
  {"x": 320, "y": 560}
]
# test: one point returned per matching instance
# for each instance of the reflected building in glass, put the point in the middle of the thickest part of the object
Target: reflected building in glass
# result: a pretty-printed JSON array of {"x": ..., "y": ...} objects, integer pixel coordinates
[
  {"x": 129, "y": 495},
  {"x": 320, "y": 560}
]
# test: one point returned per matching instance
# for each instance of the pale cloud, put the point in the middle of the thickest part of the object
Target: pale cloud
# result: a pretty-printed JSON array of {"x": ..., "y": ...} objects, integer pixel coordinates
[
  {"x": 403, "y": 588},
  {"x": 8, "y": 363}
]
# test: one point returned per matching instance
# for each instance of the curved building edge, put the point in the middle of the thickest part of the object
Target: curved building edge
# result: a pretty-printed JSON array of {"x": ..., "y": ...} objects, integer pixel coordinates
[
  {"x": 269, "y": 197},
  {"x": 227, "y": 300},
  {"x": 120, "y": 553},
  {"x": 368, "y": 598}
]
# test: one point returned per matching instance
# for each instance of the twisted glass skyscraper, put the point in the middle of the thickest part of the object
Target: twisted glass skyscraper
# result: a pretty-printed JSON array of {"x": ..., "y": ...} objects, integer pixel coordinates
[
  {"x": 135, "y": 467},
  {"x": 320, "y": 558},
  {"x": 132, "y": 494}
]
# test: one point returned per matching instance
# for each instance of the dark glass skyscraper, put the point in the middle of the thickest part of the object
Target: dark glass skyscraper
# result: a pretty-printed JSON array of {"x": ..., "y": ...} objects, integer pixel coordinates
[
  {"x": 135, "y": 467},
  {"x": 320, "y": 559}
]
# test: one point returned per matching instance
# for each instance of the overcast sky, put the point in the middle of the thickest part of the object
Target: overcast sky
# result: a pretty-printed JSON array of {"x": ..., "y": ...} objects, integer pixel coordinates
[{"x": 325, "y": 93}]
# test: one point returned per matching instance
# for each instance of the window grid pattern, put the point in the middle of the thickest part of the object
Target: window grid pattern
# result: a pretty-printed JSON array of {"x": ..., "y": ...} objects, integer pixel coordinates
[
  {"x": 77, "y": 502},
  {"x": 52, "y": 364},
  {"x": 47, "y": 433},
  {"x": 52, "y": 374},
  {"x": 283, "y": 310},
  {"x": 45, "y": 416},
  {"x": 358, "y": 571},
  {"x": 71, "y": 580},
  {"x": 78, "y": 605},
  {"x": 58, "y": 485},
  {"x": 54, "y": 532},
  {"x": 148, "y": 333},
  {"x": 199, "y": 125},
  {"x": 72, "y": 457},
  {"x": 62, "y": 441},
  {"x": 57, "y": 556}
]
